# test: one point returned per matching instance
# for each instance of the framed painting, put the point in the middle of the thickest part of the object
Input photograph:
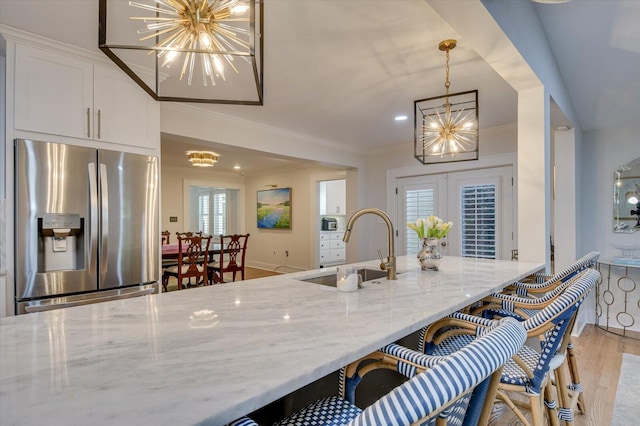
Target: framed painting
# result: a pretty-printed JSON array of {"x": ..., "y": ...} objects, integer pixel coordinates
[{"x": 274, "y": 208}]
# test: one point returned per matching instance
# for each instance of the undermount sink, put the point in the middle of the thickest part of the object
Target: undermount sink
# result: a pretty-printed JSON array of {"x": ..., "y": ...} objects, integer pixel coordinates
[{"x": 331, "y": 280}]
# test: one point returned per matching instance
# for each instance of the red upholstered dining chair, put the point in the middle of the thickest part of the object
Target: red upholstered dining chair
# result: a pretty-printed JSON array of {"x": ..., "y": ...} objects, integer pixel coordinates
[
  {"x": 233, "y": 249},
  {"x": 192, "y": 251}
]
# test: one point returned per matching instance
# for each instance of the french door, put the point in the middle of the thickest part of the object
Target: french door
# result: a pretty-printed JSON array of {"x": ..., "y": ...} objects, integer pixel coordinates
[
  {"x": 478, "y": 202},
  {"x": 418, "y": 197}
]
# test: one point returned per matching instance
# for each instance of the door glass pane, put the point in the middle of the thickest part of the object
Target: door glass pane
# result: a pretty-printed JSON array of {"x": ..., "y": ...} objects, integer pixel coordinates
[
  {"x": 419, "y": 203},
  {"x": 478, "y": 221}
]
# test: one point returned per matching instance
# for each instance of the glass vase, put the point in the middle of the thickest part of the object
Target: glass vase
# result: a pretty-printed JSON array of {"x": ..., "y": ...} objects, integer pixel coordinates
[{"x": 429, "y": 257}]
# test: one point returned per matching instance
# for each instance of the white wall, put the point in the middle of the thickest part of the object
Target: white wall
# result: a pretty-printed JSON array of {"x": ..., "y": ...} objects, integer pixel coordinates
[
  {"x": 564, "y": 194},
  {"x": 287, "y": 250},
  {"x": 174, "y": 198},
  {"x": 604, "y": 151}
]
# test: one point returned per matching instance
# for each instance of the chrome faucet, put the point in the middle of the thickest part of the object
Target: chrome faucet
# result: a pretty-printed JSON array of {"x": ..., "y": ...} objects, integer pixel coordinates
[{"x": 390, "y": 264}]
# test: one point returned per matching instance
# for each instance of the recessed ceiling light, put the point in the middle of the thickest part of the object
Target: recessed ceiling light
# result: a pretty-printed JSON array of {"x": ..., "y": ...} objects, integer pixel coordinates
[
  {"x": 400, "y": 117},
  {"x": 237, "y": 167}
]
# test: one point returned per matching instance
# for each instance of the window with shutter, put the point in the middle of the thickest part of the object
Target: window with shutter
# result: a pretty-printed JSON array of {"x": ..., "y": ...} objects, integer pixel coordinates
[
  {"x": 478, "y": 221},
  {"x": 219, "y": 213},
  {"x": 203, "y": 212}
]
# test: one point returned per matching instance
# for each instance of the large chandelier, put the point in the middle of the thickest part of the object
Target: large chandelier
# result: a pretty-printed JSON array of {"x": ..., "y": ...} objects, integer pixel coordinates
[
  {"x": 187, "y": 50},
  {"x": 446, "y": 127}
]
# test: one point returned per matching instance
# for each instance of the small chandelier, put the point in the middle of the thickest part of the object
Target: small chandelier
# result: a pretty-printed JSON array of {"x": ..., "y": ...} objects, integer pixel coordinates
[
  {"x": 446, "y": 127},
  {"x": 206, "y": 51},
  {"x": 202, "y": 158}
]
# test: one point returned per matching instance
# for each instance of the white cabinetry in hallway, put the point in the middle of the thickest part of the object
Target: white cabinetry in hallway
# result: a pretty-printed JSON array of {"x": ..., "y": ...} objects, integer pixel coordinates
[
  {"x": 332, "y": 248},
  {"x": 333, "y": 197},
  {"x": 62, "y": 95}
]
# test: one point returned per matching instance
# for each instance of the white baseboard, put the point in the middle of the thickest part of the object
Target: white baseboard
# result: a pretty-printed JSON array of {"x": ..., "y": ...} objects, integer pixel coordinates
[{"x": 274, "y": 267}]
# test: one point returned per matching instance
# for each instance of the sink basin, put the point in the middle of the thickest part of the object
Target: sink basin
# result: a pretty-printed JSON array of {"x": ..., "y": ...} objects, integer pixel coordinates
[{"x": 331, "y": 280}]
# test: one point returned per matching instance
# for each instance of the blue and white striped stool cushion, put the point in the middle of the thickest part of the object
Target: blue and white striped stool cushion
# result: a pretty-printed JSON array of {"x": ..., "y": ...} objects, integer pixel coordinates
[
  {"x": 584, "y": 262},
  {"x": 330, "y": 411},
  {"x": 245, "y": 421},
  {"x": 426, "y": 394}
]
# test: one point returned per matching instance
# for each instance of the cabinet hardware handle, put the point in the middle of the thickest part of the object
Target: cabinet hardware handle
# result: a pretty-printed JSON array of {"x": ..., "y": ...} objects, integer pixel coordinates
[
  {"x": 99, "y": 123},
  {"x": 89, "y": 122}
]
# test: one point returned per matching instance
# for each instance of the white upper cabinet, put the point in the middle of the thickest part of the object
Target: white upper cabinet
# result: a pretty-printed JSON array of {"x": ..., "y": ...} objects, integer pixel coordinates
[
  {"x": 61, "y": 95},
  {"x": 333, "y": 197},
  {"x": 53, "y": 93},
  {"x": 123, "y": 112}
]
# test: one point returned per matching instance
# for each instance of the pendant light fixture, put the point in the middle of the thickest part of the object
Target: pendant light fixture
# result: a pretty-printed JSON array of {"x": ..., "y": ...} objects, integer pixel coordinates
[
  {"x": 207, "y": 51},
  {"x": 202, "y": 158},
  {"x": 446, "y": 127}
]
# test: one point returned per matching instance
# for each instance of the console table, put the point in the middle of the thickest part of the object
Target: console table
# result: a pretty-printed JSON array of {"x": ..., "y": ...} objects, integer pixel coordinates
[{"x": 618, "y": 297}]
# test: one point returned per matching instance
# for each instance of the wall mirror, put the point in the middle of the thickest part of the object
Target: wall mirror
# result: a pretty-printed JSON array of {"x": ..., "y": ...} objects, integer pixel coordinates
[{"x": 626, "y": 198}]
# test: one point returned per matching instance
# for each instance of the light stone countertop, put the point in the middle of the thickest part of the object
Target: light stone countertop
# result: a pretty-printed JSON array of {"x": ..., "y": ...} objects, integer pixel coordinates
[{"x": 212, "y": 354}]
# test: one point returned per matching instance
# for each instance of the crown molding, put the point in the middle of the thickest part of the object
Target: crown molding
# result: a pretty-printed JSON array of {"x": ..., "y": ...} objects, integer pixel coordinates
[{"x": 17, "y": 35}]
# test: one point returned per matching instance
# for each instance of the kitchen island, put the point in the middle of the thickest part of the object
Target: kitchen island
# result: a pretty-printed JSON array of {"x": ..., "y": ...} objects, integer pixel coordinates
[{"x": 212, "y": 354}]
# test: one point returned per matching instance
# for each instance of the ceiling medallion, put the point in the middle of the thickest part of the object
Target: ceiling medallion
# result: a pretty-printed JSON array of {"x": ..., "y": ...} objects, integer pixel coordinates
[{"x": 446, "y": 127}]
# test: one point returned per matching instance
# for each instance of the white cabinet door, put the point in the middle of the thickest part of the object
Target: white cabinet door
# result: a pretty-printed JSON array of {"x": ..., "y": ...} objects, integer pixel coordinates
[
  {"x": 123, "y": 112},
  {"x": 59, "y": 95},
  {"x": 53, "y": 93},
  {"x": 333, "y": 200}
]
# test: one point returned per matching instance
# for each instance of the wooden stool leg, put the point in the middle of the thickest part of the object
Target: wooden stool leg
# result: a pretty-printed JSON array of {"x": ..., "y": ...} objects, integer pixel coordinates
[
  {"x": 575, "y": 385},
  {"x": 551, "y": 404},
  {"x": 565, "y": 412},
  {"x": 537, "y": 412}
]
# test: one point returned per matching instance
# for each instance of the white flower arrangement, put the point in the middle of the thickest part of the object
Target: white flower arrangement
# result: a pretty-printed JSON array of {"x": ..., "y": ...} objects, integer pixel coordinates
[{"x": 431, "y": 227}]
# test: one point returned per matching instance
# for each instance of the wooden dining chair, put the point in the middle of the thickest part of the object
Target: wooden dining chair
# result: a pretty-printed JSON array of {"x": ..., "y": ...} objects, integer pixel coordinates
[
  {"x": 233, "y": 249},
  {"x": 192, "y": 255},
  {"x": 165, "y": 237}
]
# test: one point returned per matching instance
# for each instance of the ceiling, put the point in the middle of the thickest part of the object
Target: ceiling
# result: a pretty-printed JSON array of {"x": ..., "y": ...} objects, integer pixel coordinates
[{"x": 339, "y": 72}]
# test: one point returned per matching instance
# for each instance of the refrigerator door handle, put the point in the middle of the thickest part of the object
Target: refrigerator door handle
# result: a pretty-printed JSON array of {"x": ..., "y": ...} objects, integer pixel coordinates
[
  {"x": 79, "y": 300},
  {"x": 93, "y": 219},
  {"x": 104, "y": 221}
]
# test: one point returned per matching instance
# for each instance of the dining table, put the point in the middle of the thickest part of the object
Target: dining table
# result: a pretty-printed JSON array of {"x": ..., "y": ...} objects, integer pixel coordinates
[
  {"x": 213, "y": 354},
  {"x": 171, "y": 251}
]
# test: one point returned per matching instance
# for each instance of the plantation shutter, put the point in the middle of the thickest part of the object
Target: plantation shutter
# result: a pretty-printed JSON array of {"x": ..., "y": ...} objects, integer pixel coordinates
[
  {"x": 203, "y": 212},
  {"x": 478, "y": 221},
  {"x": 418, "y": 204},
  {"x": 219, "y": 213}
]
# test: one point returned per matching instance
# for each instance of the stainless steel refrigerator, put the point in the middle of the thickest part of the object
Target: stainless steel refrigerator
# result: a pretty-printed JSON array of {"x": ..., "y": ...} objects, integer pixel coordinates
[{"x": 86, "y": 225}]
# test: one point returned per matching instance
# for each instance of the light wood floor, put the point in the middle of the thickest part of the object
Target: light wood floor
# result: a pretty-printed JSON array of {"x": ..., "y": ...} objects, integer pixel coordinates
[{"x": 600, "y": 357}]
